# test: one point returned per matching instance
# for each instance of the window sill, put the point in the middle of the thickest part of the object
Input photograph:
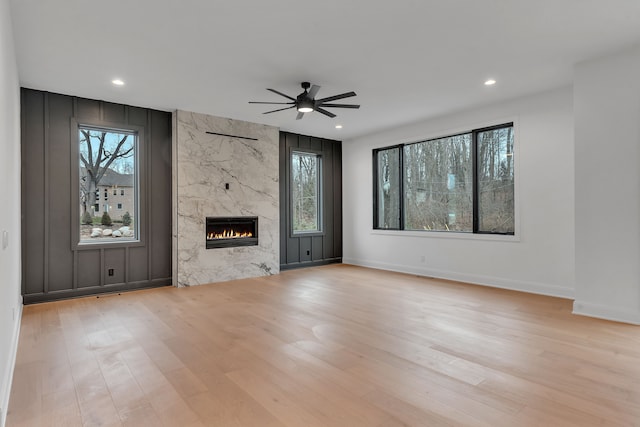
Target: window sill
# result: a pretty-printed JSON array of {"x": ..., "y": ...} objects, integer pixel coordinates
[
  {"x": 106, "y": 244},
  {"x": 448, "y": 235},
  {"x": 307, "y": 233}
]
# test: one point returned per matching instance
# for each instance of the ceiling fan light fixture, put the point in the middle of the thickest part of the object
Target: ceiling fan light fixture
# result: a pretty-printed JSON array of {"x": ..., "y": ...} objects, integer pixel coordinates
[{"x": 305, "y": 106}]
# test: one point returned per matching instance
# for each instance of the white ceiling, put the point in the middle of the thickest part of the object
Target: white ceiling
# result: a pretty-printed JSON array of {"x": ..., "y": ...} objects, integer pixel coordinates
[{"x": 406, "y": 59}]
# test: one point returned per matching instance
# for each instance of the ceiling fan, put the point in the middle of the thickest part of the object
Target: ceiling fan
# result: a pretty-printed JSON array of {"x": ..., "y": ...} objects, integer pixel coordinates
[{"x": 306, "y": 102}]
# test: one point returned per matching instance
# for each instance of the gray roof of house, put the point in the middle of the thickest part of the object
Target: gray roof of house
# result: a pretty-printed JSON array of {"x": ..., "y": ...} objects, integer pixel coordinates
[{"x": 112, "y": 178}]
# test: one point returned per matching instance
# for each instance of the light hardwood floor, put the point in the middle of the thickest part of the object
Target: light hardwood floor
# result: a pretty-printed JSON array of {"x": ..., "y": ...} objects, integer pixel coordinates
[{"x": 329, "y": 346}]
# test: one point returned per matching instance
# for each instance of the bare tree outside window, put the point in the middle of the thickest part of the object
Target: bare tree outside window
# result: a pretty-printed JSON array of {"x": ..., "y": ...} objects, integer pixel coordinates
[
  {"x": 438, "y": 185},
  {"x": 457, "y": 183},
  {"x": 388, "y": 188},
  {"x": 495, "y": 181},
  {"x": 107, "y": 162},
  {"x": 305, "y": 192}
]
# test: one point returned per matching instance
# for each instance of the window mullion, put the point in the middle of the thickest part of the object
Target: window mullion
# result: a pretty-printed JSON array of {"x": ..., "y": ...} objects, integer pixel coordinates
[
  {"x": 475, "y": 188},
  {"x": 401, "y": 187}
]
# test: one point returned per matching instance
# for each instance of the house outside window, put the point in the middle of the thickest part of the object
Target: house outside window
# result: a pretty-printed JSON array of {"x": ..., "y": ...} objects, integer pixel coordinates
[{"x": 107, "y": 162}]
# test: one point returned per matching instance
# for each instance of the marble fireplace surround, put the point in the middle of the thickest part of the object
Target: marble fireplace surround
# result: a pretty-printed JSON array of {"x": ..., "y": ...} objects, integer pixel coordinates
[{"x": 204, "y": 164}]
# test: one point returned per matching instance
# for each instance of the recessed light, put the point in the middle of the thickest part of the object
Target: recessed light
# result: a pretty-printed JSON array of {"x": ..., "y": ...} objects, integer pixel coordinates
[
  {"x": 338, "y": 126},
  {"x": 117, "y": 82},
  {"x": 490, "y": 82}
]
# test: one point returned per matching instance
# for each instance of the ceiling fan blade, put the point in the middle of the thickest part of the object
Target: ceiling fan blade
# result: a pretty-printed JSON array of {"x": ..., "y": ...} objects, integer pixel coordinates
[
  {"x": 325, "y": 112},
  {"x": 281, "y": 94},
  {"x": 278, "y": 103},
  {"x": 279, "y": 109},
  {"x": 340, "y": 105},
  {"x": 312, "y": 92},
  {"x": 335, "y": 97},
  {"x": 299, "y": 116}
]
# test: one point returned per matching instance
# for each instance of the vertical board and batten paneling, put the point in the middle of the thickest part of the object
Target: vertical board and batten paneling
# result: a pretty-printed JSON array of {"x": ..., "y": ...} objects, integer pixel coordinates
[
  {"x": 60, "y": 261},
  {"x": 337, "y": 196},
  {"x": 34, "y": 197},
  {"x": 53, "y": 265},
  {"x": 322, "y": 248}
]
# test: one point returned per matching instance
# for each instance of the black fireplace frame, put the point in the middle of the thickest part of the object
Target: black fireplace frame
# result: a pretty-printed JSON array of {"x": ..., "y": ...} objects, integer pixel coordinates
[{"x": 230, "y": 221}]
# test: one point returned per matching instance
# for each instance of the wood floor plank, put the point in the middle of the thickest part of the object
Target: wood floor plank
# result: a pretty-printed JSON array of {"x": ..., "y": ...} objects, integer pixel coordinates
[
  {"x": 274, "y": 399},
  {"x": 226, "y": 404},
  {"x": 326, "y": 346}
]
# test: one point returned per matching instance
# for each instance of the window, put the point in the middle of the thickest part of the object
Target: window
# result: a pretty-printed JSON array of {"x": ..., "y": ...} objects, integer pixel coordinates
[
  {"x": 107, "y": 159},
  {"x": 438, "y": 190},
  {"x": 122, "y": 192},
  {"x": 306, "y": 192},
  {"x": 458, "y": 183},
  {"x": 388, "y": 188},
  {"x": 115, "y": 192},
  {"x": 495, "y": 180}
]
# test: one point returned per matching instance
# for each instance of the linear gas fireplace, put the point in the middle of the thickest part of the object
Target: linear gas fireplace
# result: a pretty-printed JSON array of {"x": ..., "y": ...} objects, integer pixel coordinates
[{"x": 227, "y": 232}]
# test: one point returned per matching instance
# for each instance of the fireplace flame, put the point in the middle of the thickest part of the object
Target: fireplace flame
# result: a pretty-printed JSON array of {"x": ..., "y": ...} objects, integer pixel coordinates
[{"x": 229, "y": 234}]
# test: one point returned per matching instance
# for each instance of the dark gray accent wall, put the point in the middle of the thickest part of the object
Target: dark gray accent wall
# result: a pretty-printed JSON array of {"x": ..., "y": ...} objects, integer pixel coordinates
[
  {"x": 53, "y": 265},
  {"x": 322, "y": 248}
]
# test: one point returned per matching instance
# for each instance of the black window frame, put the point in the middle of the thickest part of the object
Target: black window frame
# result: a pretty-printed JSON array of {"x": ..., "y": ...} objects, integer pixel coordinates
[
  {"x": 139, "y": 188},
  {"x": 376, "y": 217},
  {"x": 320, "y": 196},
  {"x": 475, "y": 184}
]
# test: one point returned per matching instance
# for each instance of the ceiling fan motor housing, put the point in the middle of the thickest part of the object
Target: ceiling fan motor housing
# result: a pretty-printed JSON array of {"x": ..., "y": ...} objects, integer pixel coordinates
[{"x": 304, "y": 103}]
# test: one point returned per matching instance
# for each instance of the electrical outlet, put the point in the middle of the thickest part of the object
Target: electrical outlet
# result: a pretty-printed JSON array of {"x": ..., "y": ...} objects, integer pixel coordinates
[
  {"x": 111, "y": 272},
  {"x": 5, "y": 239}
]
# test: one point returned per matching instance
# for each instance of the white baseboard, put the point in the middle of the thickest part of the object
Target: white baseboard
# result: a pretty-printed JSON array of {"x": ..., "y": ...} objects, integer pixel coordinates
[
  {"x": 5, "y": 385},
  {"x": 605, "y": 312},
  {"x": 495, "y": 282}
]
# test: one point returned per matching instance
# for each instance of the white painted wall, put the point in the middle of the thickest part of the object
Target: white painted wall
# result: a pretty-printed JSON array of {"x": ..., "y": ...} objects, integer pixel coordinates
[
  {"x": 607, "y": 153},
  {"x": 539, "y": 259},
  {"x": 10, "y": 295}
]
